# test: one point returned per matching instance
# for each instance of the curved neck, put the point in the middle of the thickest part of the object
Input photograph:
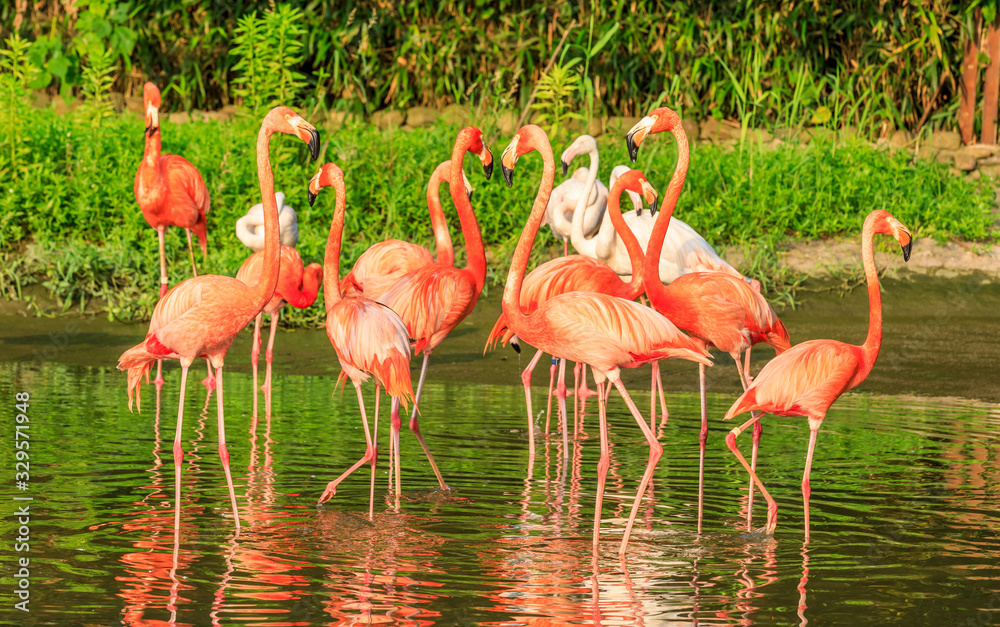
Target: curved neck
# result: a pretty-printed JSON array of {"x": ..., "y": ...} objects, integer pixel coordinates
[
  {"x": 475, "y": 256},
  {"x": 331, "y": 259},
  {"x": 651, "y": 265},
  {"x": 306, "y": 293},
  {"x": 873, "y": 342},
  {"x": 151, "y": 150},
  {"x": 519, "y": 262},
  {"x": 581, "y": 243},
  {"x": 442, "y": 238},
  {"x": 633, "y": 287},
  {"x": 264, "y": 288}
]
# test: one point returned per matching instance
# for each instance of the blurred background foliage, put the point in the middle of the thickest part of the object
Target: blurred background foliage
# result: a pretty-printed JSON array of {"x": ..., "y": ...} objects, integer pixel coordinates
[{"x": 872, "y": 64}]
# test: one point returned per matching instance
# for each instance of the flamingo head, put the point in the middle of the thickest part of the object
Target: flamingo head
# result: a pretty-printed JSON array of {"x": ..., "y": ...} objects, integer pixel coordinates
[
  {"x": 659, "y": 120},
  {"x": 285, "y": 120},
  {"x": 329, "y": 174},
  {"x": 523, "y": 142},
  {"x": 885, "y": 223},
  {"x": 476, "y": 145},
  {"x": 635, "y": 181},
  {"x": 582, "y": 145},
  {"x": 151, "y": 103}
]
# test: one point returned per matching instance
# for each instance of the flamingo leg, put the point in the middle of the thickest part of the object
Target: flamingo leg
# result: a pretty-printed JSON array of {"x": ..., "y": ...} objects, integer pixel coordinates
[
  {"x": 179, "y": 454},
  {"x": 603, "y": 464},
  {"x": 194, "y": 270},
  {"x": 758, "y": 430},
  {"x": 371, "y": 493},
  {"x": 565, "y": 247},
  {"x": 224, "y": 452},
  {"x": 655, "y": 452},
  {"x": 806, "y": 489},
  {"x": 561, "y": 393},
  {"x": 269, "y": 355},
  {"x": 255, "y": 357},
  {"x": 526, "y": 380},
  {"x": 772, "y": 507},
  {"x": 396, "y": 423},
  {"x": 548, "y": 397},
  {"x": 702, "y": 440},
  {"x": 652, "y": 393},
  {"x": 209, "y": 380},
  {"x": 584, "y": 391},
  {"x": 163, "y": 261},
  {"x": 158, "y": 381},
  {"x": 331, "y": 488},
  {"x": 415, "y": 426},
  {"x": 664, "y": 414}
]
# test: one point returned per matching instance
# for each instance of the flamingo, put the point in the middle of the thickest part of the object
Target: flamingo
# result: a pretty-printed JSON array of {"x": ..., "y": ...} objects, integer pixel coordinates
[
  {"x": 249, "y": 228},
  {"x": 386, "y": 262},
  {"x": 809, "y": 377},
  {"x": 200, "y": 317},
  {"x": 581, "y": 192},
  {"x": 716, "y": 308},
  {"x": 169, "y": 190},
  {"x": 433, "y": 299},
  {"x": 572, "y": 273},
  {"x": 297, "y": 286},
  {"x": 370, "y": 339},
  {"x": 605, "y": 332}
]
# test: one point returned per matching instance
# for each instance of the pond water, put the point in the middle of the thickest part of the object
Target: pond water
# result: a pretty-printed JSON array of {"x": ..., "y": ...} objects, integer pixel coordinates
[{"x": 904, "y": 508}]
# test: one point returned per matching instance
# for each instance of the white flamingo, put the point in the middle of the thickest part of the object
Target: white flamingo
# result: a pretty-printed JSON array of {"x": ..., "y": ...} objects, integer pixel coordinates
[
  {"x": 250, "y": 228},
  {"x": 580, "y": 192}
]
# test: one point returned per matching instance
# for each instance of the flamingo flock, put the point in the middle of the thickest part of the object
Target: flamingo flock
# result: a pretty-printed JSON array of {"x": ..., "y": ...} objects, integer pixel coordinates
[{"x": 400, "y": 300}]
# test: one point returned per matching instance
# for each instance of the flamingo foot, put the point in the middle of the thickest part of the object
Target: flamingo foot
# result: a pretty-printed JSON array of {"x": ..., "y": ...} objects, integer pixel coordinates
[
  {"x": 209, "y": 383},
  {"x": 329, "y": 493}
]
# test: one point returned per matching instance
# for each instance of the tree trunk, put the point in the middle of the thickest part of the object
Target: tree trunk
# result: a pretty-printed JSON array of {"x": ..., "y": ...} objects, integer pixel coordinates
[
  {"x": 991, "y": 86},
  {"x": 967, "y": 91}
]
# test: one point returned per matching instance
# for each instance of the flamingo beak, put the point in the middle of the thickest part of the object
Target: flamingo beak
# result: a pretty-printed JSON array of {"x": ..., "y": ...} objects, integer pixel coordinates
[
  {"x": 311, "y": 196},
  {"x": 565, "y": 166},
  {"x": 651, "y": 197},
  {"x": 507, "y": 161},
  {"x": 313, "y": 182},
  {"x": 153, "y": 120},
  {"x": 638, "y": 133},
  {"x": 313, "y": 143},
  {"x": 905, "y": 241},
  {"x": 487, "y": 158}
]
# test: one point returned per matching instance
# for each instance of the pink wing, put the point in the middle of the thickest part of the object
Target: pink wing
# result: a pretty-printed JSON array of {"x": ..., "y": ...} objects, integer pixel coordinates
[
  {"x": 290, "y": 274},
  {"x": 802, "y": 381},
  {"x": 370, "y": 339},
  {"x": 431, "y": 300},
  {"x": 382, "y": 265},
  {"x": 185, "y": 187},
  {"x": 606, "y": 332}
]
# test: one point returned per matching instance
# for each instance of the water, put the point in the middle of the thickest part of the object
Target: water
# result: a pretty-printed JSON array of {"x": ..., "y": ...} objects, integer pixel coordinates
[{"x": 903, "y": 510}]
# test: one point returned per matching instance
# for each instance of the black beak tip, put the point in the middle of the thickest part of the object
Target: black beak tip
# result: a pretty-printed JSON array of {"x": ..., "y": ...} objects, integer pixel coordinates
[
  {"x": 633, "y": 148},
  {"x": 487, "y": 170},
  {"x": 516, "y": 347},
  {"x": 313, "y": 143},
  {"x": 469, "y": 194},
  {"x": 565, "y": 167},
  {"x": 653, "y": 206},
  {"x": 312, "y": 197},
  {"x": 906, "y": 250},
  {"x": 508, "y": 175}
]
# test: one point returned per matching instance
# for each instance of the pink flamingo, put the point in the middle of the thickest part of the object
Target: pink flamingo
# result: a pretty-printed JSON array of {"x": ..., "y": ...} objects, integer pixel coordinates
[
  {"x": 433, "y": 299},
  {"x": 572, "y": 273},
  {"x": 717, "y": 309},
  {"x": 170, "y": 192},
  {"x": 370, "y": 339},
  {"x": 386, "y": 262},
  {"x": 605, "y": 332},
  {"x": 809, "y": 377},
  {"x": 297, "y": 286},
  {"x": 201, "y": 317}
]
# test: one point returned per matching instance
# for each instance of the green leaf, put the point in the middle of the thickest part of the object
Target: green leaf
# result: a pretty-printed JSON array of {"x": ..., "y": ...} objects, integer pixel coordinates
[{"x": 603, "y": 41}]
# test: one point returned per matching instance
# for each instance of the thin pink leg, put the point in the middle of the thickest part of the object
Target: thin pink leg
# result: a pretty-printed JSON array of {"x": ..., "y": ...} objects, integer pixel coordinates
[
  {"x": 415, "y": 426},
  {"x": 255, "y": 357},
  {"x": 371, "y": 494},
  {"x": 269, "y": 355},
  {"x": 655, "y": 452},
  {"x": 158, "y": 381},
  {"x": 561, "y": 393},
  {"x": 526, "y": 380},
  {"x": 806, "y": 489},
  {"x": 758, "y": 430},
  {"x": 565, "y": 247},
  {"x": 179, "y": 454},
  {"x": 163, "y": 261},
  {"x": 652, "y": 393},
  {"x": 664, "y": 414},
  {"x": 584, "y": 391},
  {"x": 224, "y": 452},
  {"x": 396, "y": 423},
  {"x": 331, "y": 488},
  {"x": 772, "y": 507},
  {"x": 702, "y": 440},
  {"x": 576, "y": 398},
  {"x": 548, "y": 397},
  {"x": 209, "y": 380},
  {"x": 603, "y": 464}
]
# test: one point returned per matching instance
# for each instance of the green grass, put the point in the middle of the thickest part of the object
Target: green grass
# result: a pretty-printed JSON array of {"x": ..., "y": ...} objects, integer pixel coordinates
[{"x": 69, "y": 222}]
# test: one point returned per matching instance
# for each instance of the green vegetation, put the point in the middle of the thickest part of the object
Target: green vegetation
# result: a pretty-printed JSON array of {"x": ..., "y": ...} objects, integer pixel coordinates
[
  {"x": 871, "y": 64},
  {"x": 71, "y": 226}
]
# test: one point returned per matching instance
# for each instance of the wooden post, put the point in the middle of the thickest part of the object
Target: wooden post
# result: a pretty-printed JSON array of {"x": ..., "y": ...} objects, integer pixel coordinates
[
  {"x": 968, "y": 86},
  {"x": 991, "y": 86}
]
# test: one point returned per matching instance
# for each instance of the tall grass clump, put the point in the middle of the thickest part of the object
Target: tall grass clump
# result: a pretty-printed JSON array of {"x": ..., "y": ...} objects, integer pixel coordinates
[{"x": 269, "y": 48}]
